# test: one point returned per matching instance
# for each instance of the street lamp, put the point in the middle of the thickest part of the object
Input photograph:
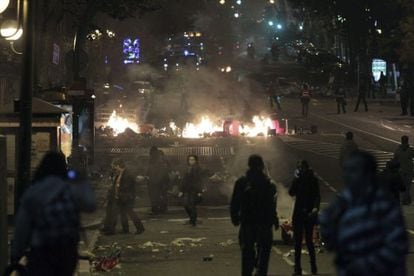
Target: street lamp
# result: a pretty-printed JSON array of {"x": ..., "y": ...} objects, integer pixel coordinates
[
  {"x": 10, "y": 30},
  {"x": 270, "y": 23},
  {"x": 279, "y": 26},
  {"x": 3, "y": 5}
]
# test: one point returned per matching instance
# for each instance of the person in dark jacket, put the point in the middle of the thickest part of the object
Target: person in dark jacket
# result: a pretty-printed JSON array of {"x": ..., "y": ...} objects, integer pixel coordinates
[
  {"x": 48, "y": 219},
  {"x": 364, "y": 225},
  {"x": 305, "y": 188},
  {"x": 404, "y": 155},
  {"x": 362, "y": 96},
  {"x": 111, "y": 209},
  {"x": 340, "y": 100},
  {"x": 191, "y": 188},
  {"x": 348, "y": 148},
  {"x": 253, "y": 207},
  {"x": 158, "y": 169},
  {"x": 392, "y": 180},
  {"x": 124, "y": 184}
]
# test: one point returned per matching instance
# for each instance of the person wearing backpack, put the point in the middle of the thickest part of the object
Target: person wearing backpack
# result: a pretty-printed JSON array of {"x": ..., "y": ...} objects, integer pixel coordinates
[
  {"x": 305, "y": 188},
  {"x": 48, "y": 221},
  {"x": 253, "y": 208}
]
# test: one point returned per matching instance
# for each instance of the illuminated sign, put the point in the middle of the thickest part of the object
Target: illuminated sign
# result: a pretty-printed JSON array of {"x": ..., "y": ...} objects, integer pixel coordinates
[
  {"x": 131, "y": 50},
  {"x": 378, "y": 66}
]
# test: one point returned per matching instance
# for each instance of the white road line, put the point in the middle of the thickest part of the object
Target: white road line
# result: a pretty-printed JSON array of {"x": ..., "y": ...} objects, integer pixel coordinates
[
  {"x": 326, "y": 183},
  {"x": 357, "y": 129},
  {"x": 223, "y": 218},
  {"x": 286, "y": 259}
]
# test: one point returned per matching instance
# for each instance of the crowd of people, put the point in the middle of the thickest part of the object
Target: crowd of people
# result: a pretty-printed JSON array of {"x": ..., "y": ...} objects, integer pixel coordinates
[{"x": 364, "y": 244}]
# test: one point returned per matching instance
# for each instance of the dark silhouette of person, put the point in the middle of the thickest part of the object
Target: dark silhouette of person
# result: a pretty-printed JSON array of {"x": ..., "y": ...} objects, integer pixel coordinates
[
  {"x": 348, "y": 148},
  {"x": 253, "y": 207},
  {"x": 362, "y": 96},
  {"x": 340, "y": 100},
  {"x": 305, "y": 187},
  {"x": 404, "y": 154},
  {"x": 48, "y": 219},
  {"x": 364, "y": 225},
  {"x": 158, "y": 170},
  {"x": 191, "y": 188},
  {"x": 124, "y": 186}
]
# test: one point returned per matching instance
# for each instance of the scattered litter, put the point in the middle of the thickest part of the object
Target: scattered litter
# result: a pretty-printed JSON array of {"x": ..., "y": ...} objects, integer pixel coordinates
[
  {"x": 208, "y": 258},
  {"x": 155, "y": 250},
  {"x": 164, "y": 232},
  {"x": 151, "y": 244},
  {"x": 129, "y": 247},
  {"x": 227, "y": 243},
  {"x": 181, "y": 251},
  {"x": 193, "y": 242}
]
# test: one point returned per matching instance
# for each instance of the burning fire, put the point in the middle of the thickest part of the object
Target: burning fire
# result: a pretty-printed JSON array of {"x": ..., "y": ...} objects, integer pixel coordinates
[
  {"x": 119, "y": 124},
  {"x": 260, "y": 126},
  {"x": 206, "y": 127}
]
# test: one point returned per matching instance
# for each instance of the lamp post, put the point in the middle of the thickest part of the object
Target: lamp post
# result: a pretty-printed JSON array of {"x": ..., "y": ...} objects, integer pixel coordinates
[
  {"x": 26, "y": 95},
  {"x": 12, "y": 30}
]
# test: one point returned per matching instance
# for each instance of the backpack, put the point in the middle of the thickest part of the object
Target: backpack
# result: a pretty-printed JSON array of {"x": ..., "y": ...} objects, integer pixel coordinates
[
  {"x": 58, "y": 221},
  {"x": 257, "y": 203}
]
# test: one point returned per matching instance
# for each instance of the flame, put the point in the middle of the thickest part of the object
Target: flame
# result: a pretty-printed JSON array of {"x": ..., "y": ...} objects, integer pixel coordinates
[
  {"x": 119, "y": 124},
  {"x": 205, "y": 127},
  {"x": 258, "y": 126}
]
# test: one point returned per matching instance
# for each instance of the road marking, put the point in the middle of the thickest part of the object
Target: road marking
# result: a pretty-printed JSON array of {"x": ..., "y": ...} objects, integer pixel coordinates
[
  {"x": 223, "y": 218},
  {"x": 330, "y": 187},
  {"x": 286, "y": 259},
  {"x": 357, "y": 129}
]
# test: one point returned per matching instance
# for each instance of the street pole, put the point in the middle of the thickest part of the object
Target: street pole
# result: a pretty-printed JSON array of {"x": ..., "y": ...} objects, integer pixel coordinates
[
  {"x": 26, "y": 94},
  {"x": 4, "y": 234}
]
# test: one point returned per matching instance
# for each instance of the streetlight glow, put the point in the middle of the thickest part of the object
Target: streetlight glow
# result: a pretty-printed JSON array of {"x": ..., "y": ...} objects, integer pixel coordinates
[
  {"x": 271, "y": 1},
  {"x": 237, "y": 15},
  {"x": 239, "y": 2},
  {"x": 3, "y": 5},
  {"x": 270, "y": 23},
  {"x": 10, "y": 30},
  {"x": 279, "y": 26},
  {"x": 222, "y": 2}
]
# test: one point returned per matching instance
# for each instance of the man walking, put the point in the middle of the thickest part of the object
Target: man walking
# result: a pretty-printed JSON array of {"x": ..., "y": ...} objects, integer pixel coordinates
[
  {"x": 404, "y": 155},
  {"x": 362, "y": 93},
  {"x": 125, "y": 197},
  {"x": 340, "y": 100},
  {"x": 348, "y": 148},
  {"x": 253, "y": 207},
  {"x": 305, "y": 188},
  {"x": 364, "y": 225}
]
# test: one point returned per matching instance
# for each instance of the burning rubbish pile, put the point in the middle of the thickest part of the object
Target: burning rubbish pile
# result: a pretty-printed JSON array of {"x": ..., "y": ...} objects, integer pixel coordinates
[{"x": 204, "y": 127}]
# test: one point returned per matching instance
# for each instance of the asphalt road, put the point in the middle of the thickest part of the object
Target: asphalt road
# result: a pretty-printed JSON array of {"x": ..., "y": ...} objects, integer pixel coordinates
[{"x": 378, "y": 131}]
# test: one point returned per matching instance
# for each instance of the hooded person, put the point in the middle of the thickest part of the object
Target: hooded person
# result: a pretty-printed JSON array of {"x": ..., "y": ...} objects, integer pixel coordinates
[
  {"x": 404, "y": 155},
  {"x": 48, "y": 219},
  {"x": 305, "y": 187},
  {"x": 253, "y": 208}
]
